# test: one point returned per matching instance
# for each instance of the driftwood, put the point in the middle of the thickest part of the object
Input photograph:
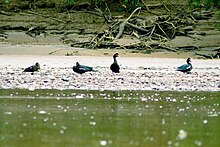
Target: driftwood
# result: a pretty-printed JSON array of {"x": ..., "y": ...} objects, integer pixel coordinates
[
  {"x": 50, "y": 53},
  {"x": 106, "y": 17},
  {"x": 204, "y": 55},
  {"x": 216, "y": 49},
  {"x": 209, "y": 56},
  {"x": 5, "y": 13},
  {"x": 150, "y": 35},
  {"x": 160, "y": 30},
  {"x": 188, "y": 48},
  {"x": 83, "y": 44},
  {"x": 154, "y": 6},
  {"x": 122, "y": 25},
  {"x": 217, "y": 55},
  {"x": 35, "y": 31},
  {"x": 168, "y": 48},
  {"x": 201, "y": 15},
  {"x": 137, "y": 28},
  {"x": 100, "y": 39},
  {"x": 145, "y": 5}
]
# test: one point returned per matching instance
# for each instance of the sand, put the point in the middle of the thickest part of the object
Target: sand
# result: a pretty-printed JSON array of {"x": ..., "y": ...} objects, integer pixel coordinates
[{"x": 137, "y": 73}]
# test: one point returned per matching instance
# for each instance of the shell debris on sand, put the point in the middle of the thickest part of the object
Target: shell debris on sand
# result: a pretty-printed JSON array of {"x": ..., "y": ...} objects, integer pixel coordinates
[{"x": 160, "y": 76}]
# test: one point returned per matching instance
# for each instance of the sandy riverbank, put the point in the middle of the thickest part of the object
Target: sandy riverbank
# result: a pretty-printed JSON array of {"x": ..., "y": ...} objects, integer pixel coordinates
[
  {"x": 62, "y": 50},
  {"x": 137, "y": 73}
]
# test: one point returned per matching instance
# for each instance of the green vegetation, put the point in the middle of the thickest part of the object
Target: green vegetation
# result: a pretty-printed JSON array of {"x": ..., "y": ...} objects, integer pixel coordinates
[
  {"x": 60, "y": 5},
  {"x": 217, "y": 24},
  {"x": 207, "y": 3},
  {"x": 71, "y": 1},
  {"x": 195, "y": 3},
  {"x": 212, "y": 3},
  {"x": 114, "y": 5}
]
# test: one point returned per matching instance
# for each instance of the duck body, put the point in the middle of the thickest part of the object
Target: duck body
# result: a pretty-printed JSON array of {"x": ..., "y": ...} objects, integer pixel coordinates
[
  {"x": 81, "y": 68},
  {"x": 114, "y": 66},
  {"x": 185, "y": 68},
  {"x": 32, "y": 68}
]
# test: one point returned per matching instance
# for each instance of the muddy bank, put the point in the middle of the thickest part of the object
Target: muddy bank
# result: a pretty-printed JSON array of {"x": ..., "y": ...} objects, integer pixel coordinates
[
  {"x": 77, "y": 29},
  {"x": 65, "y": 50}
]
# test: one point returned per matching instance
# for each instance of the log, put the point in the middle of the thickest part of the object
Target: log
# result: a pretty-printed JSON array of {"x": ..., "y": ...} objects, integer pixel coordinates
[
  {"x": 122, "y": 25},
  {"x": 121, "y": 29},
  {"x": 5, "y": 13},
  {"x": 204, "y": 55},
  {"x": 168, "y": 48},
  {"x": 217, "y": 55},
  {"x": 50, "y": 53},
  {"x": 137, "y": 28},
  {"x": 188, "y": 48},
  {"x": 145, "y": 5},
  {"x": 105, "y": 17}
]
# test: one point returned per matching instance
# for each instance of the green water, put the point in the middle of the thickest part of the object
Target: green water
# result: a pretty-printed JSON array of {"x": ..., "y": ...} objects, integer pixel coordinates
[{"x": 105, "y": 118}]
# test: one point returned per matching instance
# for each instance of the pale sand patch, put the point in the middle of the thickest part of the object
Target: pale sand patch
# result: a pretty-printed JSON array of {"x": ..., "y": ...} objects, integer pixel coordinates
[
  {"x": 103, "y": 61},
  {"x": 62, "y": 50},
  {"x": 137, "y": 73}
]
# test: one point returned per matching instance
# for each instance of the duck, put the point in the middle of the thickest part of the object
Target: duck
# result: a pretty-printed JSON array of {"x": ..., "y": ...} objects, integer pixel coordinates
[
  {"x": 81, "y": 68},
  {"x": 185, "y": 68},
  {"x": 32, "y": 68},
  {"x": 114, "y": 66}
]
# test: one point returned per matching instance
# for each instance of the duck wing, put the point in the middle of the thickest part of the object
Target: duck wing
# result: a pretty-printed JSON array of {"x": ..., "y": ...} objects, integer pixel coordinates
[
  {"x": 184, "y": 67},
  {"x": 29, "y": 69},
  {"x": 78, "y": 70},
  {"x": 115, "y": 68},
  {"x": 85, "y": 68},
  {"x": 82, "y": 69}
]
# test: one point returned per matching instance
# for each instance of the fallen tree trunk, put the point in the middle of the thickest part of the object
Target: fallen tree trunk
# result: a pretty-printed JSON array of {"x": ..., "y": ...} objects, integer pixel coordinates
[
  {"x": 137, "y": 28},
  {"x": 122, "y": 25},
  {"x": 168, "y": 48},
  {"x": 204, "y": 55}
]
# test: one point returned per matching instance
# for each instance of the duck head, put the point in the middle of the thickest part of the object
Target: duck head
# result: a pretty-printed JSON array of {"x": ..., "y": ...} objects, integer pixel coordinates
[
  {"x": 37, "y": 65},
  {"x": 188, "y": 61},
  {"x": 77, "y": 64},
  {"x": 115, "y": 55}
]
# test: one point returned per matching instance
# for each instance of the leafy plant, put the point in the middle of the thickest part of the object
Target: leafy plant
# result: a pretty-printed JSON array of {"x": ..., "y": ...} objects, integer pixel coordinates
[
  {"x": 96, "y": 2},
  {"x": 195, "y": 3},
  {"x": 6, "y": 1},
  {"x": 218, "y": 13},
  {"x": 214, "y": 3},
  {"x": 208, "y": 3},
  {"x": 217, "y": 26},
  {"x": 71, "y": 2}
]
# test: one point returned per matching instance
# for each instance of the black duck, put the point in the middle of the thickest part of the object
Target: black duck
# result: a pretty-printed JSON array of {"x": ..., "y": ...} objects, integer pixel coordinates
[
  {"x": 81, "y": 68},
  {"x": 185, "y": 68},
  {"x": 115, "y": 67},
  {"x": 32, "y": 68}
]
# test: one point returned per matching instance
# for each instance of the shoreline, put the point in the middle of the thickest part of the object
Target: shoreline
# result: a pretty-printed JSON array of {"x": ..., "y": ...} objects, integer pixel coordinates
[
  {"x": 63, "y": 50},
  {"x": 137, "y": 73},
  {"x": 133, "y": 62},
  {"x": 143, "y": 95}
]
